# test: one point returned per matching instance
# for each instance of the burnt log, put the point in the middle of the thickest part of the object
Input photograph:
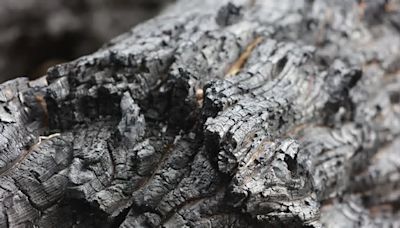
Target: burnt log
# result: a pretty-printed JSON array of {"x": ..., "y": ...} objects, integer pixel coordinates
[{"x": 214, "y": 114}]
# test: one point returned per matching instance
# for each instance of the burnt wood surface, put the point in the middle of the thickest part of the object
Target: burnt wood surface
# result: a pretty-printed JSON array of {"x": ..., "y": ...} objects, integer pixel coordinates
[{"x": 247, "y": 113}]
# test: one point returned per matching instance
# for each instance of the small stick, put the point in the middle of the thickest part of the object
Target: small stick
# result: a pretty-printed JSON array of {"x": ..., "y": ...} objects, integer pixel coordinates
[
  {"x": 238, "y": 65},
  {"x": 199, "y": 96},
  {"x": 47, "y": 137}
]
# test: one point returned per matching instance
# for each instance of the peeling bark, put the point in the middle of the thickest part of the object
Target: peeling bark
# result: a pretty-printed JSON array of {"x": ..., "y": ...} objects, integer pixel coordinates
[{"x": 214, "y": 114}]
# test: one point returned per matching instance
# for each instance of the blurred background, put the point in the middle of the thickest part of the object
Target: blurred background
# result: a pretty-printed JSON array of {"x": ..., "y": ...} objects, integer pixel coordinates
[{"x": 36, "y": 34}]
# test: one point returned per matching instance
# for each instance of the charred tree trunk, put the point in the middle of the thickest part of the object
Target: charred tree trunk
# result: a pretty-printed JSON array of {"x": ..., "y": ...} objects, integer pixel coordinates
[
  {"x": 35, "y": 34},
  {"x": 256, "y": 113}
]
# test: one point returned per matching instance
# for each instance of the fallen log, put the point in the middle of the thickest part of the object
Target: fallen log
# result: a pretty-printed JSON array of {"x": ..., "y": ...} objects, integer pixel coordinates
[{"x": 214, "y": 114}]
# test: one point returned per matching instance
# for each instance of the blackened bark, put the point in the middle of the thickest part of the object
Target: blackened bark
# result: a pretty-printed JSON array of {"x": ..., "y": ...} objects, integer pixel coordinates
[{"x": 214, "y": 114}]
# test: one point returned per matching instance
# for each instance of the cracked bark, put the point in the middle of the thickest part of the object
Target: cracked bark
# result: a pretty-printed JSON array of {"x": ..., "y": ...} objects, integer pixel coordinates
[
  {"x": 214, "y": 114},
  {"x": 35, "y": 36}
]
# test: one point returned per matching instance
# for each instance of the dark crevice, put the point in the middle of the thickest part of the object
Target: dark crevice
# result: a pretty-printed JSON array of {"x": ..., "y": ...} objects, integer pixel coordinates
[
  {"x": 117, "y": 221},
  {"x": 291, "y": 163},
  {"x": 83, "y": 214}
]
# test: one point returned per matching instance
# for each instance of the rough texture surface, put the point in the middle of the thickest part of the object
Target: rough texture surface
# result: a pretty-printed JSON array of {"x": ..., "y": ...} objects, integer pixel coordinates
[{"x": 214, "y": 114}]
